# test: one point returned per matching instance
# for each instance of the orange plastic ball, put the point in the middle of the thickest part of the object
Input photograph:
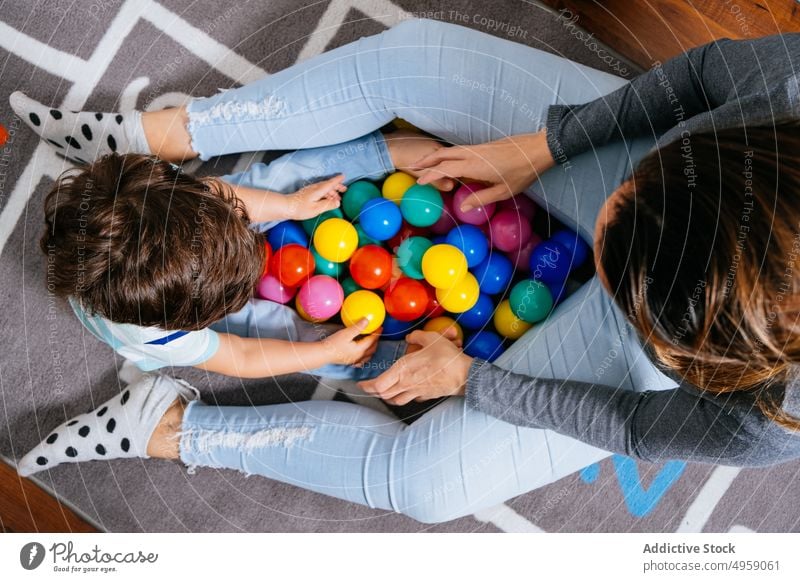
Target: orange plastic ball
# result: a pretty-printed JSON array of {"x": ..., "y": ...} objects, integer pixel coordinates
[
  {"x": 292, "y": 264},
  {"x": 406, "y": 299},
  {"x": 371, "y": 267},
  {"x": 440, "y": 324}
]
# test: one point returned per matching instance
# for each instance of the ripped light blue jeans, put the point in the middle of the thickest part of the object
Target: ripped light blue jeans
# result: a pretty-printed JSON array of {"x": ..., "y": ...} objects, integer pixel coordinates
[{"x": 466, "y": 87}]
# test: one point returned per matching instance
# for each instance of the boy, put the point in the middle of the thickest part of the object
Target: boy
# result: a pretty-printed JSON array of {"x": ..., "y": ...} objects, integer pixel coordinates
[{"x": 162, "y": 266}]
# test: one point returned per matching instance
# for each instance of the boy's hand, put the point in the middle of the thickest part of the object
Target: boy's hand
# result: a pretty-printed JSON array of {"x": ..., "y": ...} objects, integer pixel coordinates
[
  {"x": 346, "y": 347},
  {"x": 317, "y": 198}
]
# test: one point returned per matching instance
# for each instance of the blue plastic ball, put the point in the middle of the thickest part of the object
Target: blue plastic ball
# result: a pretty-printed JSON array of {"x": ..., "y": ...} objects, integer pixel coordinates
[
  {"x": 479, "y": 315},
  {"x": 380, "y": 218},
  {"x": 394, "y": 329},
  {"x": 550, "y": 262},
  {"x": 439, "y": 240},
  {"x": 471, "y": 241},
  {"x": 559, "y": 291},
  {"x": 574, "y": 244},
  {"x": 286, "y": 232},
  {"x": 486, "y": 345},
  {"x": 494, "y": 273}
]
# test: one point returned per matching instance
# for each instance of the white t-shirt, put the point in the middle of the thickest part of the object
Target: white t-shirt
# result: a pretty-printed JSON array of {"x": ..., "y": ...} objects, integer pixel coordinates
[{"x": 151, "y": 348}]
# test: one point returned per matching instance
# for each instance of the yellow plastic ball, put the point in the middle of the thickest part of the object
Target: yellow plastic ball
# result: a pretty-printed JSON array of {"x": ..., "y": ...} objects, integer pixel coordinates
[
  {"x": 336, "y": 240},
  {"x": 507, "y": 324},
  {"x": 401, "y": 123},
  {"x": 461, "y": 296},
  {"x": 443, "y": 266},
  {"x": 396, "y": 185},
  {"x": 439, "y": 324},
  {"x": 360, "y": 304}
]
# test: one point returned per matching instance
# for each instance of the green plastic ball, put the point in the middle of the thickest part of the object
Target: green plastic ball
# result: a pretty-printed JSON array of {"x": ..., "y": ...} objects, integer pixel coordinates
[
  {"x": 530, "y": 300},
  {"x": 311, "y": 224},
  {"x": 349, "y": 286},
  {"x": 326, "y": 267},
  {"x": 409, "y": 256},
  {"x": 357, "y": 193},
  {"x": 364, "y": 238},
  {"x": 422, "y": 205}
]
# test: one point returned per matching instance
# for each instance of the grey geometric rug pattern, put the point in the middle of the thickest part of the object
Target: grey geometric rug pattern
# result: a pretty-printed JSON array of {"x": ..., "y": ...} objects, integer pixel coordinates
[{"x": 147, "y": 54}]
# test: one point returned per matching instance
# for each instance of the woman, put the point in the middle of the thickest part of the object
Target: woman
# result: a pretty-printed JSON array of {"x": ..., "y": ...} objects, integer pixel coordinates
[{"x": 581, "y": 381}]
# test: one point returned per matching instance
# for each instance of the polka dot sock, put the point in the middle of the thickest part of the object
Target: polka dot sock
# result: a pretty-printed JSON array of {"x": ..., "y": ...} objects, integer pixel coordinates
[
  {"x": 82, "y": 136},
  {"x": 119, "y": 428}
]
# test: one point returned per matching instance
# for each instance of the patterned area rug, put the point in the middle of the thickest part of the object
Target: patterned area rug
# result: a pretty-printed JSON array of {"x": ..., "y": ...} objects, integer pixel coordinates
[{"x": 108, "y": 54}]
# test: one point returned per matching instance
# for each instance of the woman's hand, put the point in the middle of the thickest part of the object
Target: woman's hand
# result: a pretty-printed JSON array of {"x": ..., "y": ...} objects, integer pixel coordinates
[
  {"x": 433, "y": 366},
  {"x": 315, "y": 199},
  {"x": 348, "y": 347},
  {"x": 507, "y": 166}
]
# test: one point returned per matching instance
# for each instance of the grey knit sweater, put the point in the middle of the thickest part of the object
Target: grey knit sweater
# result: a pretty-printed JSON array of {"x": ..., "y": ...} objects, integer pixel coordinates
[{"x": 722, "y": 84}]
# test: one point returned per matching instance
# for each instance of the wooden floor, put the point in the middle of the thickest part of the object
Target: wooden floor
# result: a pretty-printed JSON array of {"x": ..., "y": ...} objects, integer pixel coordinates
[
  {"x": 26, "y": 507},
  {"x": 646, "y": 31}
]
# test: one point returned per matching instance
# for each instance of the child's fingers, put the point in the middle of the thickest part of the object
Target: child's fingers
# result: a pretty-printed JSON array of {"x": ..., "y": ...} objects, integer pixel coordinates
[
  {"x": 335, "y": 181},
  {"x": 370, "y": 342},
  {"x": 327, "y": 203},
  {"x": 354, "y": 330},
  {"x": 371, "y": 350}
]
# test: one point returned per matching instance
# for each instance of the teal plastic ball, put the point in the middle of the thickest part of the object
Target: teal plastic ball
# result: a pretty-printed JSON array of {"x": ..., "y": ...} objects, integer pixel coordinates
[
  {"x": 326, "y": 267},
  {"x": 364, "y": 238},
  {"x": 422, "y": 205},
  {"x": 530, "y": 300},
  {"x": 356, "y": 195},
  {"x": 409, "y": 256},
  {"x": 350, "y": 286}
]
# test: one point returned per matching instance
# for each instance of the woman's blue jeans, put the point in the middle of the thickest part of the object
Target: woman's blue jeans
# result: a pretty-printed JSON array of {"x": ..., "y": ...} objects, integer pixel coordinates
[{"x": 466, "y": 87}]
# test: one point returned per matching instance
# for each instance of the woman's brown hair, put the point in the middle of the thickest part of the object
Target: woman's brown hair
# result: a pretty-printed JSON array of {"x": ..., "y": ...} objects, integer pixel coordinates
[
  {"x": 701, "y": 253},
  {"x": 136, "y": 240}
]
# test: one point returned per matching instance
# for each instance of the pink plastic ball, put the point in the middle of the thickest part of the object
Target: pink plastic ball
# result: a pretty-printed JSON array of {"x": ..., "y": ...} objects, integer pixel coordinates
[
  {"x": 509, "y": 231},
  {"x": 321, "y": 297},
  {"x": 447, "y": 221},
  {"x": 273, "y": 290},
  {"x": 521, "y": 259},
  {"x": 475, "y": 216},
  {"x": 521, "y": 204}
]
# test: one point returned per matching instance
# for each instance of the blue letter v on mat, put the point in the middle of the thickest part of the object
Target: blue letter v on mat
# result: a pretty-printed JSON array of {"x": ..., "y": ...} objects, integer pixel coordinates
[{"x": 640, "y": 501}]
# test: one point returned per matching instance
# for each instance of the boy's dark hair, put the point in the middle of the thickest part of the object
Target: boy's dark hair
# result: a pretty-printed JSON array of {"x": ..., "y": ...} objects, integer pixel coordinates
[{"x": 136, "y": 240}]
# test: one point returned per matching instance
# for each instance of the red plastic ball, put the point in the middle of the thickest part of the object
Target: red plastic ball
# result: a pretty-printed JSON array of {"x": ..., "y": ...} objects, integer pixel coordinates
[
  {"x": 371, "y": 266},
  {"x": 406, "y": 299},
  {"x": 267, "y": 258},
  {"x": 292, "y": 264},
  {"x": 434, "y": 309}
]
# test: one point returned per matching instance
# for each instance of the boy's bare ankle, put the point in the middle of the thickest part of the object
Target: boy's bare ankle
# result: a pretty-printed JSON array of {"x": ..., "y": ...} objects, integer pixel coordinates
[
  {"x": 164, "y": 442},
  {"x": 167, "y": 134}
]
